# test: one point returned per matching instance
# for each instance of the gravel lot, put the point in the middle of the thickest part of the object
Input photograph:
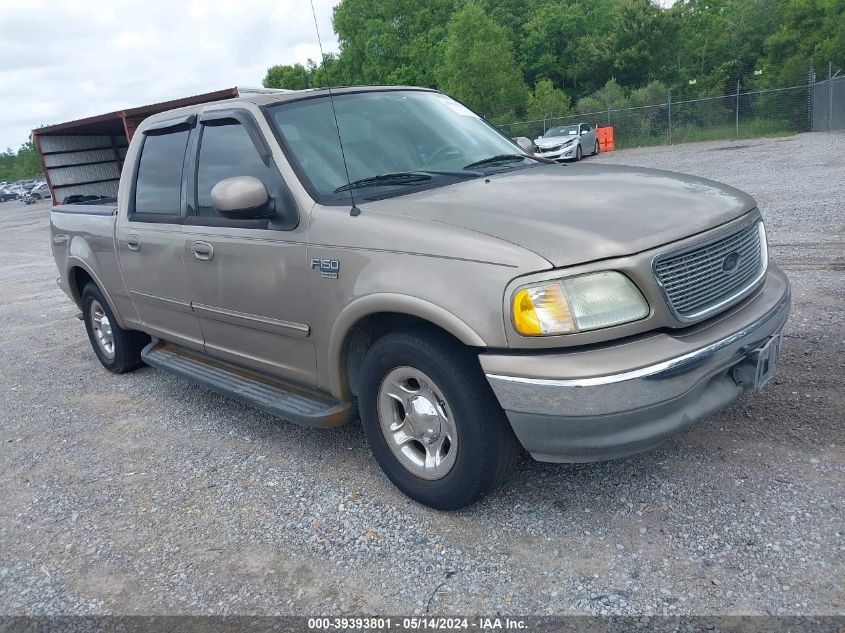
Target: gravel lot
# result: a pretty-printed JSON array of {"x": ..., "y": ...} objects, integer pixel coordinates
[{"x": 145, "y": 494}]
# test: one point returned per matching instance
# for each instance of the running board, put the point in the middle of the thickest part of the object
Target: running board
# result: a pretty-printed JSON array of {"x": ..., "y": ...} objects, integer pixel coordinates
[{"x": 295, "y": 404}]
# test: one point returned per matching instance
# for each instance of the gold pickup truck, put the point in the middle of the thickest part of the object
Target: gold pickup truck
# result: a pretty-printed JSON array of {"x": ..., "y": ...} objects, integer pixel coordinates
[{"x": 385, "y": 254}]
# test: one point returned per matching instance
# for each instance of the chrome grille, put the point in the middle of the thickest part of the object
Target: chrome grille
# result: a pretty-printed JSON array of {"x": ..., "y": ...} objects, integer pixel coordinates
[{"x": 699, "y": 281}]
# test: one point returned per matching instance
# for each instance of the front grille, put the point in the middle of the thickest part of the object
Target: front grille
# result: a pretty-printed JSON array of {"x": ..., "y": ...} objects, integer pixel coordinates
[{"x": 700, "y": 280}]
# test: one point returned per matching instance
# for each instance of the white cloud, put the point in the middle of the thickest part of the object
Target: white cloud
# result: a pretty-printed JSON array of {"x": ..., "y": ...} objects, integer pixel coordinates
[{"x": 67, "y": 59}]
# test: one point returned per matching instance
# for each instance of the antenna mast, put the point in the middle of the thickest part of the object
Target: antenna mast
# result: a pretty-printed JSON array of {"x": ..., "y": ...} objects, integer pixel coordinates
[{"x": 354, "y": 210}]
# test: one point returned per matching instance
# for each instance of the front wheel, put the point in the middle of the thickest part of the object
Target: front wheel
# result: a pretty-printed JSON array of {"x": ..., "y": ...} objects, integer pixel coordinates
[
  {"x": 118, "y": 350},
  {"x": 578, "y": 153},
  {"x": 432, "y": 421}
]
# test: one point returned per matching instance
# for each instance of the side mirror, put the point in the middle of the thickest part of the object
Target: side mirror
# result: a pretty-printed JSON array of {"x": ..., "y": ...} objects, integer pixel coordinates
[
  {"x": 525, "y": 143},
  {"x": 242, "y": 198}
]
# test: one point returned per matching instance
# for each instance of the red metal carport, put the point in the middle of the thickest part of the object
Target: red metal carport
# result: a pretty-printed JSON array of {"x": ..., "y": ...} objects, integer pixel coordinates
[{"x": 85, "y": 157}]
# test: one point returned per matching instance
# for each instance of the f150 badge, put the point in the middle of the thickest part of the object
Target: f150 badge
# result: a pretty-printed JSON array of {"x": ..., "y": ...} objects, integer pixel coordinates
[{"x": 329, "y": 268}]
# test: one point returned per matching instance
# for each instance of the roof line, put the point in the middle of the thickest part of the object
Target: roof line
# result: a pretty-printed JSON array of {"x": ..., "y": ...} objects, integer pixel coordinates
[{"x": 146, "y": 110}]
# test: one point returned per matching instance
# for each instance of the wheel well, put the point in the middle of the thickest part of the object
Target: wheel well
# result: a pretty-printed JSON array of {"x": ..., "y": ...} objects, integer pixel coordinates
[
  {"x": 78, "y": 278},
  {"x": 367, "y": 331}
]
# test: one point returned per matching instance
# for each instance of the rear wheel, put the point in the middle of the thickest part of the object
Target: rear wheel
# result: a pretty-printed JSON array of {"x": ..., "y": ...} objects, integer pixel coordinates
[
  {"x": 432, "y": 421},
  {"x": 596, "y": 151},
  {"x": 117, "y": 349}
]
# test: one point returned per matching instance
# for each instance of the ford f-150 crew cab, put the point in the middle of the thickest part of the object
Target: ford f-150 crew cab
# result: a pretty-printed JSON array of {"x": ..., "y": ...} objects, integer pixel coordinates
[{"x": 386, "y": 254}]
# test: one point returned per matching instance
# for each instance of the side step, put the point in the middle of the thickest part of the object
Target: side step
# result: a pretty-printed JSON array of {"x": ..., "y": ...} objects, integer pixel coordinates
[{"x": 295, "y": 404}]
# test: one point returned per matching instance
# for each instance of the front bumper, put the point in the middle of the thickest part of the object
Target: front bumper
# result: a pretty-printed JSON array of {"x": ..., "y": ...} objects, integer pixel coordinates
[
  {"x": 566, "y": 153},
  {"x": 614, "y": 400}
]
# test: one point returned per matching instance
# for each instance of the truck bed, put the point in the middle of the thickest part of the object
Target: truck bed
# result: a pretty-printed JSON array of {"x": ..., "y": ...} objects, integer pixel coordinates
[
  {"x": 107, "y": 206},
  {"x": 82, "y": 236}
]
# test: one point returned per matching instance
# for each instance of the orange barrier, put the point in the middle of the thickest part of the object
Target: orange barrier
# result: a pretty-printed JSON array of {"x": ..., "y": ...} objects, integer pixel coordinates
[{"x": 605, "y": 138}]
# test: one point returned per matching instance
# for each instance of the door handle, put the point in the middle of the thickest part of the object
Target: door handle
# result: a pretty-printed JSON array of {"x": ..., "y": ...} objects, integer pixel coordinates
[
  {"x": 202, "y": 251},
  {"x": 133, "y": 242}
]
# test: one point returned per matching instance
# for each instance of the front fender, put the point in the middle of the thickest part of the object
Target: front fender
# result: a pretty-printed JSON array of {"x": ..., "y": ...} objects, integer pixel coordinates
[{"x": 390, "y": 303}]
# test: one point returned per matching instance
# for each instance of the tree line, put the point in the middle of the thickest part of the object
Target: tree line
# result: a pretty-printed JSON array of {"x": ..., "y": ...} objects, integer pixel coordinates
[
  {"x": 19, "y": 165},
  {"x": 523, "y": 59}
]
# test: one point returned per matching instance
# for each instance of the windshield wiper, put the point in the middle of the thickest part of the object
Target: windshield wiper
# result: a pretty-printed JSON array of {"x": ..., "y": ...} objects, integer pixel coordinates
[
  {"x": 499, "y": 158},
  {"x": 397, "y": 178}
]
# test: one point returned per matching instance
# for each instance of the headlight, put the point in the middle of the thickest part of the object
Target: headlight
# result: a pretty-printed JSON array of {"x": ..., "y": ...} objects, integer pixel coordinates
[
  {"x": 577, "y": 304},
  {"x": 568, "y": 143}
]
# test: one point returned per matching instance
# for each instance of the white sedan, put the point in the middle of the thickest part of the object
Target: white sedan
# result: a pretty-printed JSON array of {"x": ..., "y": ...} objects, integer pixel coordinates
[{"x": 568, "y": 142}]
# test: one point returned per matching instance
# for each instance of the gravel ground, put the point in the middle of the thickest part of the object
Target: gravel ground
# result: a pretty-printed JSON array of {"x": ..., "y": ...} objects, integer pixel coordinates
[{"x": 145, "y": 494}]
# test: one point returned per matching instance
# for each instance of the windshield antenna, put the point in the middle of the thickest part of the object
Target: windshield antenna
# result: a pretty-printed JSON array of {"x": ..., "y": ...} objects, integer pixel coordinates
[{"x": 354, "y": 211}]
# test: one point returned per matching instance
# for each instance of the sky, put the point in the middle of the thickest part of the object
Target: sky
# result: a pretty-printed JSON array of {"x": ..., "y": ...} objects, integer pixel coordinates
[{"x": 66, "y": 59}]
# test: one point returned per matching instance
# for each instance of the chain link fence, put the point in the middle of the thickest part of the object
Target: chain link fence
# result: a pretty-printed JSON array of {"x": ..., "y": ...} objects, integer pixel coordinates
[
  {"x": 829, "y": 102},
  {"x": 675, "y": 117}
]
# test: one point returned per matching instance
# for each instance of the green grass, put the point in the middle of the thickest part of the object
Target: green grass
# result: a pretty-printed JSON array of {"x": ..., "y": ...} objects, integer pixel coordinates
[{"x": 757, "y": 127}]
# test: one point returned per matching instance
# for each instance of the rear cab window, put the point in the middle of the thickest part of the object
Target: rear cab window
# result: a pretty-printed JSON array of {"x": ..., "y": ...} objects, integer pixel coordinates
[{"x": 158, "y": 182}]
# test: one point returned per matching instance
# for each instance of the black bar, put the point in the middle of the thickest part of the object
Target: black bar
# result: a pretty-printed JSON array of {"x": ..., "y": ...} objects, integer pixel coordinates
[
  {"x": 89, "y": 182},
  {"x": 96, "y": 162}
]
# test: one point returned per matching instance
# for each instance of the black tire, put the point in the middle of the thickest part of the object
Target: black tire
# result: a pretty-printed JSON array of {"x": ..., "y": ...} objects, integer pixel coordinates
[
  {"x": 487, "y": 448},
  {"x": 596, "y": 151},
  {"x": 578, "y": 153},
  {"x": 127, "y": 343}
]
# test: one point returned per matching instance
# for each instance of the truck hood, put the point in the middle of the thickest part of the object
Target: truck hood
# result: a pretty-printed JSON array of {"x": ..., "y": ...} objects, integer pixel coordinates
[{"x": 573, "y": 214}]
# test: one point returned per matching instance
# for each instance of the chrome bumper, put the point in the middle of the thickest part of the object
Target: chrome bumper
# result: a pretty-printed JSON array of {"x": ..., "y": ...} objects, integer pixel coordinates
[
  {"x": 571, "y": 418},
  {"x": 561, "y": 154}
]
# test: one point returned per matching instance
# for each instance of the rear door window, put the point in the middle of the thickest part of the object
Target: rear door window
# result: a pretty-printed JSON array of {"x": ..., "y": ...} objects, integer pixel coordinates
[{"x": 158, "y": 187}]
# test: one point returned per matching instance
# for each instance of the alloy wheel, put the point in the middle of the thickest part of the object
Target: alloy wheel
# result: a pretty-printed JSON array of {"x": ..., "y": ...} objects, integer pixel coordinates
[
  {"x": 102, "y": 327},
  {"x": 417, "y": 423}
]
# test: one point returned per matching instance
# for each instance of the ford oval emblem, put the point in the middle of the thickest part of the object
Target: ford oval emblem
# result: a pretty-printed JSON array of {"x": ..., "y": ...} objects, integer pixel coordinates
[{"x": 730, "y": 263}]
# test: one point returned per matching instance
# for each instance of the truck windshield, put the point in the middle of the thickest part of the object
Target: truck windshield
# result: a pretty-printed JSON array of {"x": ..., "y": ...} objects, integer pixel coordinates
[{"x": 388, "y": 132}]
